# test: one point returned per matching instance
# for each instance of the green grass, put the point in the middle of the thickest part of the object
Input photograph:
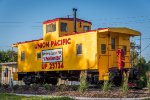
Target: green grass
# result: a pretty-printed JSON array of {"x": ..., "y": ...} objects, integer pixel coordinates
[
  {"x": 5, "y": 96},
  {"x": 106, "y": 86}
]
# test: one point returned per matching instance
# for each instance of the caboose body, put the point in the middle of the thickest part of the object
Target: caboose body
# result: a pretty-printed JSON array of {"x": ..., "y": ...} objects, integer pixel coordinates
[{"x": 64, "y": 52}]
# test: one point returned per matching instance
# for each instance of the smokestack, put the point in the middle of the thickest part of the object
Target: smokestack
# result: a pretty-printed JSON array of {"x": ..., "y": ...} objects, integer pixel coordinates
[{"x": 74, "y": 18}]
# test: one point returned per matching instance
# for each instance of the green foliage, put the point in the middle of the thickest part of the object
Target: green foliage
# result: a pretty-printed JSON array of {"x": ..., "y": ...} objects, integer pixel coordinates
[
  {"x": 63, "y": 87},
  {"x": 73, "y": 87},
  {"x": 148, "y": 85},
  {"x": 35, "y": 87},
  {"x": 125, "y": 87},
  {"x": 6, "y": 56},
  {"x": 5, "y": 86},
  {"x": 106, "y": 86},
  {"x": 134, "y": 53},
  {"x": 15, "y": 87},
  {"x": 83, "y": 82},
  {"x": 142, "y": 68},
  {"x": 141, "y": 82},
  {"x": 5, "y": 96},
  {"x": 140, "y": 64},
  {"x": 48, "y": 87},
  {"x": 148, "y": 80},
  {"x": 25, "y": 87}
]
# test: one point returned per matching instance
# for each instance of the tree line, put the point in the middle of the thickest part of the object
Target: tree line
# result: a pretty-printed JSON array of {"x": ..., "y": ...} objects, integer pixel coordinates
[{"x": 8, "y": 56}]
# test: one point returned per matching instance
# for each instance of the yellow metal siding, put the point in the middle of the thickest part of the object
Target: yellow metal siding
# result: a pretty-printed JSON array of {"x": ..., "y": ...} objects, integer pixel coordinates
[
  {"x": 91, "y": 57},
  {"x": 71, "y": 61},
  {"x": 110, "y": 59}
]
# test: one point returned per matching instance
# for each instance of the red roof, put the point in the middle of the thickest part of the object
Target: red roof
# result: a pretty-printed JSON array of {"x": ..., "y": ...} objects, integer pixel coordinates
[
  {"x": 70, "y": 19},
  {"x": 29, "y": 41},
  {"x": 64, "y": 35}
]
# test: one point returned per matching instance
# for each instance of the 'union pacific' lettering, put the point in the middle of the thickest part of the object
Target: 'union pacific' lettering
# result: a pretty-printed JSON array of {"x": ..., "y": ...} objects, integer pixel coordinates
[{"x": 53, "y": 43}]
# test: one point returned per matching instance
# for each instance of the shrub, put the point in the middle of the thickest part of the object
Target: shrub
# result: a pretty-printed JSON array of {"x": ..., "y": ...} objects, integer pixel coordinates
[
  {"x": 0, "y": 84},
  {"x": 49, "y": 87},
  {"x": 46, "y": 86},
  {"x": 106, "y": 86},
  {"x": 63, "y": 87},
  {"x": 83, "y": 82},
  {"x": 141, "y": 82},
  {"x": 125, "y": 87},
  {"x": 73, "y": 87},
  {"x": 148, "y": 85},
  {"x": 15, "y": 87},
  {"x": 5, "y": 86},
  {"x": 148, "y": 80},
  {"x": 35, "y": 87},
  {"x": 25, "y": 87}
]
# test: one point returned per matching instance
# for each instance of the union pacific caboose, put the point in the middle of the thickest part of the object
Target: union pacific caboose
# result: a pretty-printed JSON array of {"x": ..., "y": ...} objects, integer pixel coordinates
[{"x": 68, "y": 47}]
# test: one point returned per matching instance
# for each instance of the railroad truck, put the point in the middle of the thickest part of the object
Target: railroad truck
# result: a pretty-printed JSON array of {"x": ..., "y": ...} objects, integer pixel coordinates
[{"x": 69, "y": 46}]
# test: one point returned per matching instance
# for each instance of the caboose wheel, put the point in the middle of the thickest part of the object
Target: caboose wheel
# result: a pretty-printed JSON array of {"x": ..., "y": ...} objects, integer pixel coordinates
[
  {"x": 53, "y": 81},
  {"x": 26, "y": 80},
  {"x": 115, "y": 77}
]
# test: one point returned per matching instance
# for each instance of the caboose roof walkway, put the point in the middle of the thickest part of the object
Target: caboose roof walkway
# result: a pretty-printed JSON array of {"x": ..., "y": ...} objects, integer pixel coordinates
[{"x": 123, "y": 30}]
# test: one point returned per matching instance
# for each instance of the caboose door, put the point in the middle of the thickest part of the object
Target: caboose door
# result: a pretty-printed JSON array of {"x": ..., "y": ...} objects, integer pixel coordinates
[{"x": 103, "y": 59}]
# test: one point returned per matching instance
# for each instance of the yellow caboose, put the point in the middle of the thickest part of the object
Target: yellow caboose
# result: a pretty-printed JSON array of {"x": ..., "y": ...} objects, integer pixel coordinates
[{"x": 68, "y": 47}]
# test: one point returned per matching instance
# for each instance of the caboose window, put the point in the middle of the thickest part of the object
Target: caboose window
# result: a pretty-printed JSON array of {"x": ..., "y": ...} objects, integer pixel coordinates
[
  {"x": 78, "y": 49},
  {"x": 113, "y": 43},
  {"x": 6, "y": 72},
  {"x": 63, "y": 27},
  {"x": 124, "y": 49},
  {"x": 103, "y": 48},
  {"x": 38, "y": 55},
  {"x": 86, "y": 28},
  {"x": 51, "y": 27},
  {"x": 22, "y": 56}
]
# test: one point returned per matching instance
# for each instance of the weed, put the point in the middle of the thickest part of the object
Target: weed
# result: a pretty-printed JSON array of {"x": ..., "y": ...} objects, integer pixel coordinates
[
  {"x": 5, "y": 86},
  {"x": 63, "y": 87},
  {"x": 35, "y": 87},
  {"x": 148, "y": 80},
  {"x": 125, "y": 87},
  {"x": 25, "y": 87},
  {"x": 83, "y": 82},
  {"x": 15, "y": 87},
  {"x": 106, "y": 86},
  {"x": 73, "y": 87},
  {"x": 46, "y": 86}
]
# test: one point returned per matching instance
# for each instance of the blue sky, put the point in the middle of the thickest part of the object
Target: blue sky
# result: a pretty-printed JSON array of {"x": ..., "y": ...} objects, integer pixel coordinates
[{"x": 21, "y": 20}]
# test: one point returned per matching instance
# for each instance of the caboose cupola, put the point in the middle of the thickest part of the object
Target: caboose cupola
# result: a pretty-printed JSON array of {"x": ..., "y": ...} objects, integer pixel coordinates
[{"x": 64, "y": 26}]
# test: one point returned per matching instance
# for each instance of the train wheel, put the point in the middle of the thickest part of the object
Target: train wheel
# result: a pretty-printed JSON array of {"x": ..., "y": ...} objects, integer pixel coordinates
[
  {"x": 53, "y": 81},
  {"x": 115, "y": 78},
  {"x": 26, "y": 80}
]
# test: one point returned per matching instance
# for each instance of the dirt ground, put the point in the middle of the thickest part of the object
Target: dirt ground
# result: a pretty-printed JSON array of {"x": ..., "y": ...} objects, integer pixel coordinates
[{"x": 115, "y": 92}]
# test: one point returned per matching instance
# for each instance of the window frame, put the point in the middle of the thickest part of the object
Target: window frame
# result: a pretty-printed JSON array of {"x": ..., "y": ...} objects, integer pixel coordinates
[
  {"x": 103, "y": 48},
  {"x": 113, "y": 43},
  {"x": 79, "y": 49},
  {"x": 86, "y": 27},
  {"x": 22, "y": 56},
  {"x": 6, "y": 72},
  {"x": 51, "y": 27},
  {"x": 37, "y": 55},
  {"x": 62, "y": 29}
]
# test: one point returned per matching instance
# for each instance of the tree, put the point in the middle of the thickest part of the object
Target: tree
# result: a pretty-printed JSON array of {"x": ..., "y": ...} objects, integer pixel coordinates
[
  {"x": 6, "y": 56},
  {"x": 140, "y": 64},
  {"x": 134, "y": 53}
]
